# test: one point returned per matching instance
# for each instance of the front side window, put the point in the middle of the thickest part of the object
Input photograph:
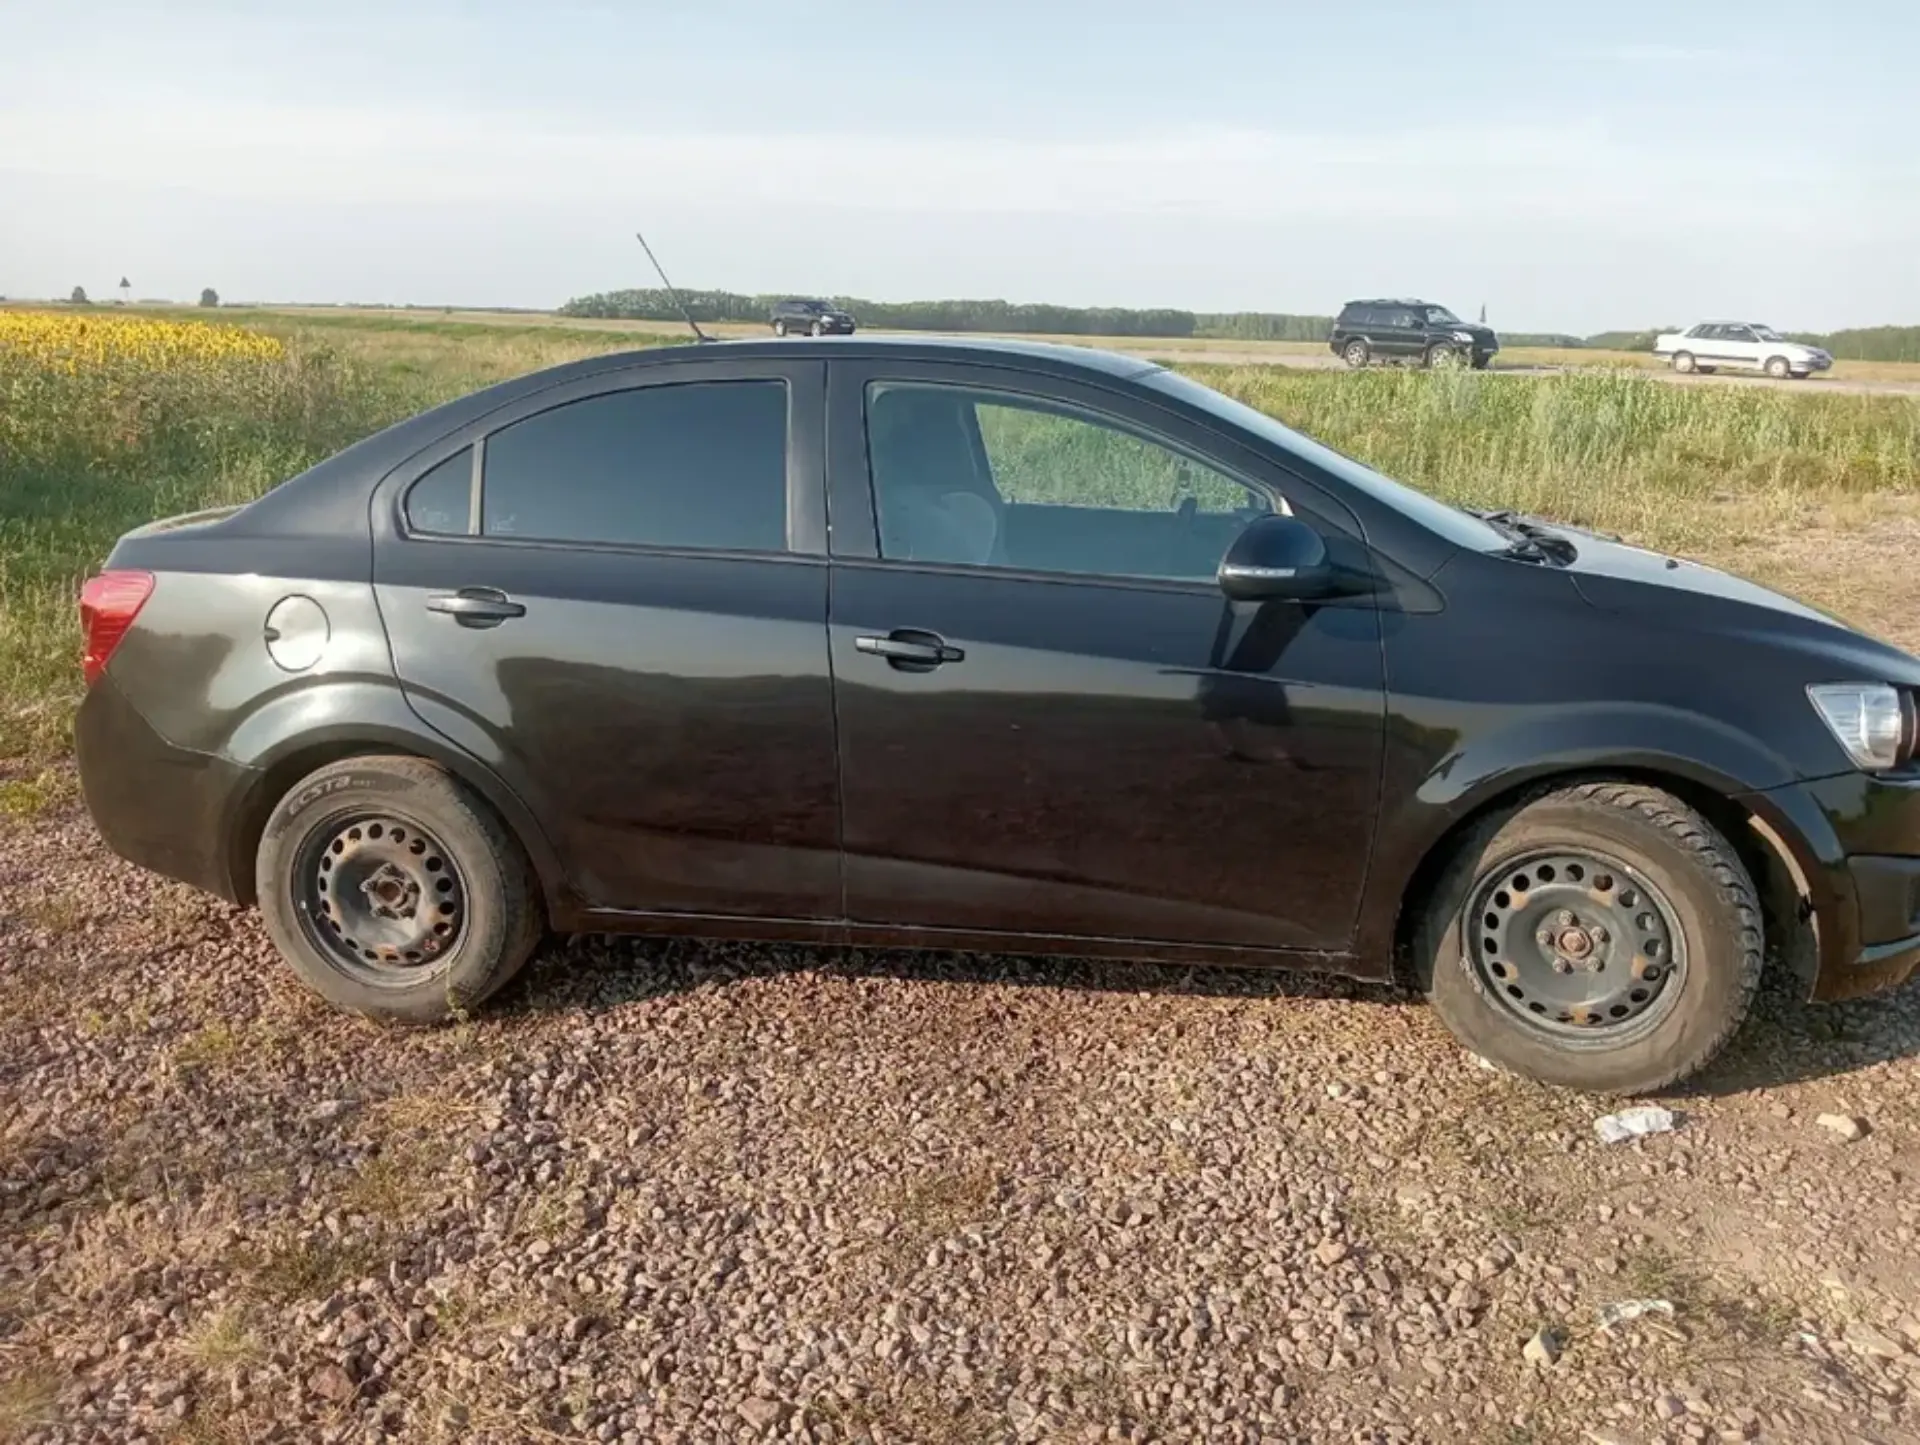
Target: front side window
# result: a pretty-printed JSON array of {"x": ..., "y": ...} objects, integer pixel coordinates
[
  {"x": 991, "y": 479},
  {"x": 1739, "y": 333},
  {"x": 1440, "y": 316},
  {"x": 696, "y": 464}
]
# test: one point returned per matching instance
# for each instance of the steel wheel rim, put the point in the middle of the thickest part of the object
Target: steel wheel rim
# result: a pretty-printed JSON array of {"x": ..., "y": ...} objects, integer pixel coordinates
[
  {"x": 381, "y": 898},
  {"x": 1576, "y": 946}
]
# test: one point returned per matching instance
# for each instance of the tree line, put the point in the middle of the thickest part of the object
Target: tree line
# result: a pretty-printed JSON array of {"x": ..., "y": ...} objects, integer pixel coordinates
[{"x": 1875, "y": 343}]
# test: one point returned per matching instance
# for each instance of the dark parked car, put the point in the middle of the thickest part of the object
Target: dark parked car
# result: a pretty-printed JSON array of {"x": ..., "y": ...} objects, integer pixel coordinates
[
  {"x": 1418, "y": 331},
  {"x": 810, "y": 318},
  {"x": 1091, "y": 660}
]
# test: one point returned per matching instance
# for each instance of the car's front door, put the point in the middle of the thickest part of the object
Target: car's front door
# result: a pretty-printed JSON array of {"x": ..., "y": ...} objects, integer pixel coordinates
[
  {"x": 1404, "y": 334},
  {"x": 614, "y": 593},
  {"x": 1052, "y": 722}
]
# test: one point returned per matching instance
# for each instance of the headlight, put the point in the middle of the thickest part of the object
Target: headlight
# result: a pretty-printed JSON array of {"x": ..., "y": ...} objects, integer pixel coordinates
[
  {"x": 1870, "y": 720},
  {"x": 1463, "y": 336}
]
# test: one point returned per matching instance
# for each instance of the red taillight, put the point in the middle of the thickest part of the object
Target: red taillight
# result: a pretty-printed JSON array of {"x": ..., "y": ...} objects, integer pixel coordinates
[{"x": 108, "y": 605}]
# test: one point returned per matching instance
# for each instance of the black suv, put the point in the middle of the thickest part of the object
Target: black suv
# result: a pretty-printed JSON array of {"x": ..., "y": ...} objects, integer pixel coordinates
[
  {"x": 814, "y": 318},
  {"x": 1409, "y": 331}
]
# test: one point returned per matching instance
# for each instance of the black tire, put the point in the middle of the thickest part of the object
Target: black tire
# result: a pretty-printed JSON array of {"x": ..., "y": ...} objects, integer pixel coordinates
[
  {"x": 450, "y": 831},
  {"x": 1658, "y": 841},
  {"x": 816, "y": 329},
  {"x": 1481, "y": 361},
  {"x": 1683, "y": 362},
  {"x": 779, "y": 328},
  {"x": 1779, "y": 368},
  {"x": 1439, "y": 356},
  {"x": 1356, "y": 353}
]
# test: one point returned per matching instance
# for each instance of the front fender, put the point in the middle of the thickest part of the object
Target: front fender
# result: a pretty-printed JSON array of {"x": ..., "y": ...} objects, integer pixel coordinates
[{"x": 1436, "y": 792}]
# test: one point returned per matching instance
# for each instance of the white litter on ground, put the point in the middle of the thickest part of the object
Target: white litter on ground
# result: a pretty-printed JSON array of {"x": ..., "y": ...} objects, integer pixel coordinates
[{"x": 1633, "y": 1123}]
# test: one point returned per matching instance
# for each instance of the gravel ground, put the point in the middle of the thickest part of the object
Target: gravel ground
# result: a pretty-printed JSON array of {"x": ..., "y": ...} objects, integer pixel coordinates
[{"x": 693, "y": 1193}]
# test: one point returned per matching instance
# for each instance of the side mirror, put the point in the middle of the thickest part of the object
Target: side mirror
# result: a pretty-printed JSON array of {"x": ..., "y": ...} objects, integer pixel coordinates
[{"x": 1277, "y": 557}]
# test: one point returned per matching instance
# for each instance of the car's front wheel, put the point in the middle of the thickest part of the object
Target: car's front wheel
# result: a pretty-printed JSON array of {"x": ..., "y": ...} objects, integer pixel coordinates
[
  {"x": 1441, "y": 356},
  {"x": 1604, "y": 937},
  {"x": 1778, "y": 368},
  {"x": 817, "y": 329},
  {"x": 395, "y": 891}
]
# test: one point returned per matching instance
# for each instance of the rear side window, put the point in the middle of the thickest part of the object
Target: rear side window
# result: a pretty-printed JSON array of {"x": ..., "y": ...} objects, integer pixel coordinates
[
  {"x": 441, "y": 502},
  {"x": 700, "y": 464}
]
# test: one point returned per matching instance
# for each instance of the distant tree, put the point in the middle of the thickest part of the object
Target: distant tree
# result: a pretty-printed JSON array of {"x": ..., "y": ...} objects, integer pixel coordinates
[
  {"x": 79, "y": 297},
  {"x": 209, "y": 297}
]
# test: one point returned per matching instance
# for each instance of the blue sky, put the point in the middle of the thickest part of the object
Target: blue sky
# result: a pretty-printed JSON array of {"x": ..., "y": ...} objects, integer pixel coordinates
[{"x": 1572, "y": 167}]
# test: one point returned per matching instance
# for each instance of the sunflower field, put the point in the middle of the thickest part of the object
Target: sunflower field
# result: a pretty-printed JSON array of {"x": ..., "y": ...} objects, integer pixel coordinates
[{"x": 107, "y": 421}]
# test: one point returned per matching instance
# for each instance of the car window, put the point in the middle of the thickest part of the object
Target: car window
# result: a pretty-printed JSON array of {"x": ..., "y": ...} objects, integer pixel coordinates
[
  {"x": 441, "y": 502},
  {"x": 1404, "y": 320},
  {"x": 988, "y": 478},
  {"x": 697, "y": 464},
  {"x": 1739, "y": 333}
]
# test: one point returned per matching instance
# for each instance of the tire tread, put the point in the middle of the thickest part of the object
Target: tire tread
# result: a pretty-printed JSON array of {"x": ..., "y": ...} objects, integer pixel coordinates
[{"x": 1683, "y": 827}]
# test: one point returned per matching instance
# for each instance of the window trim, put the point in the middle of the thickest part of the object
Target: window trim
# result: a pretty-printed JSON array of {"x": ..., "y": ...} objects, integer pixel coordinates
[
  {"x": 805, "y": 383},
  {"x": 1074, "y": 410}
]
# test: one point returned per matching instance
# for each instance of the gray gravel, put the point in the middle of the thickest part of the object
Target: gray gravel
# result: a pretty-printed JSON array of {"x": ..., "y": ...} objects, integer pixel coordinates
[{"x": 696, "y": 1193}]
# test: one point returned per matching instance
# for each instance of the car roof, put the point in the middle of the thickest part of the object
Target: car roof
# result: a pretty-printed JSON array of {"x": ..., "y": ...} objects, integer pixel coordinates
[
  {"x": 1392, "y": 301},
  {"x": 919, "y": 346}
]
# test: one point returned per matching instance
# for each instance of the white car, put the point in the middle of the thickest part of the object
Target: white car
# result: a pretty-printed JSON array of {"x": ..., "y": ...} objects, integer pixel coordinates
[{"x": 1740, "y": 346}]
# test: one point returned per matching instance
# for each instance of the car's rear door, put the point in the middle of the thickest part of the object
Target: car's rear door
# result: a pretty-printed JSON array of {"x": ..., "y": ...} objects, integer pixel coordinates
[
  {"x": 1741, "y": 347},
  {"x": 1052, "y": 723},
  {"x": 614, "y": 593}
]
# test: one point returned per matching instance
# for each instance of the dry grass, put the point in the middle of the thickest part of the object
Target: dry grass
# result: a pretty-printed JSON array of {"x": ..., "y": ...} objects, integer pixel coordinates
[{"x": 26, "y": 1400}]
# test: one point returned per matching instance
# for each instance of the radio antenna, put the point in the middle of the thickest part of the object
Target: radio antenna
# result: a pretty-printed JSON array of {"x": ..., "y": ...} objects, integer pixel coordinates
[{"x": 669, "y": 285}]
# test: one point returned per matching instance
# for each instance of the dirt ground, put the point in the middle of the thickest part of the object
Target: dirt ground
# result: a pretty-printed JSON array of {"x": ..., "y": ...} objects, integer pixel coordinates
[{"x": 680, "y": 1192}]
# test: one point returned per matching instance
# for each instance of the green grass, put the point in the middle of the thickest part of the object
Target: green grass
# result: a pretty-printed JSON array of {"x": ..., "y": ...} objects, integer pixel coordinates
[{"x": 83, "y": 458}]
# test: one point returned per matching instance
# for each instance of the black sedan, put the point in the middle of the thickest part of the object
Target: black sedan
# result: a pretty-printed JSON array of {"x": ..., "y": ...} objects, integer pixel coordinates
[
  {"x": 806, "y": 317},
  {"x": 1004, "y": 647}
]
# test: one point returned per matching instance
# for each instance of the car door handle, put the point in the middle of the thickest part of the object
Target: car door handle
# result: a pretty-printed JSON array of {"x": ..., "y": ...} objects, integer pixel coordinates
[
  {"x": 910, "y": 650},
  {"x": 476, "y": 606}
]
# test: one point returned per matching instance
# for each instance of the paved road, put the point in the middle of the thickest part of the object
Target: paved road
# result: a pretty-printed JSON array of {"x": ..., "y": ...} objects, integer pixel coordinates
[{"x": 1256, "y": 356}]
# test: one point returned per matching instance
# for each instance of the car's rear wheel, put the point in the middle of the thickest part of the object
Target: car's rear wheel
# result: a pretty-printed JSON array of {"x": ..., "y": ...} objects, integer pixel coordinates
[
  {"x": 1355, "y": 354},
  {"x": 817, "y": 329},
  {"x": 395, "y": 891},
  {"x": 1778, "y": 368},
  {"x": 1604, "y": 937},
  {"x": 1683, "y": 362},
  {"x": 779, "y": 328}
]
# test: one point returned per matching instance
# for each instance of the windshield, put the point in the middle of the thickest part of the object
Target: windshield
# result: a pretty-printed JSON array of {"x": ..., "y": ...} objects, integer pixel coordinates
[
  {"x": 1767, "y": 333},
  {"x": 1440, "y": 316},
  {"x": 1458, "y": 527}
]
